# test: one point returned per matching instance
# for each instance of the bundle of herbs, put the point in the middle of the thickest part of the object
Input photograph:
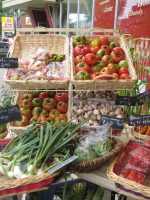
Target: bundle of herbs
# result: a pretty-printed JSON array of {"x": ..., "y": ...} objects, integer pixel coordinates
[{"x": 38, "y": 149}]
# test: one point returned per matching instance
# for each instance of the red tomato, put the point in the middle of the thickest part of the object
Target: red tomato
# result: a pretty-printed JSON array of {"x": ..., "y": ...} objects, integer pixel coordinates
[
  {"x": 94, "y": 75},
  {"x": 115, "y": 75},
  {"x": 112, "y": 67},
  {"x": 53, "y": 114},
  {"x": 43, "y": 95},
  {"x": 62, "y": 107},
  {"x": 27, "y": 96},
  {"x": 62, "y": 117},
  {"x": 117, "y": 54},
  {"x": 94, "y": 50},
  {"x": 104, "y": 40},
  {"x": 101, "y": 53},
  {"x": 107, "y": 59},
  {"x": 125, "y": 76},
  {"x": 26, "y": 104},
  {"x": 82, "y": 67},
  {"x": 49, "y": 104},
  {"x": 106, "y": 71},
  {"x": 26, "y": 112},
  {"x": 61, "y": 97},
  {"x": 90, "y": 59},
  {"x": 78, "y": 59},
  {"x": 81, "y": 50},
  {"x": 106, "y": 48},
  {"x": 123, "y": 70}
]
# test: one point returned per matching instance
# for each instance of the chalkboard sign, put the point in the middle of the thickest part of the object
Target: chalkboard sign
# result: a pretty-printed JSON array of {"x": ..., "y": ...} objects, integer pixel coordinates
[
  {"x": 8, "y": 62},
  {"x": 113, "y": 121},
  {"x": 10, "y": 114},
  {"x": 125, "y": 100},
  {"x": 143, "y": 120},
  {"x": 141, "y": 98}
]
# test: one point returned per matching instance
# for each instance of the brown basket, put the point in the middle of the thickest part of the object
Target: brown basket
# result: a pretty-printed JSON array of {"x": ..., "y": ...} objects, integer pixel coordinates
[
  {"x": 128, "y": 184},
  {"x": 138, "y": 135},
  {"x": 105, "y": 84},
  {"x": 18, "y": 130},
  {"x": 94, "y": 164},
  {"x": 26, "y": 45}
]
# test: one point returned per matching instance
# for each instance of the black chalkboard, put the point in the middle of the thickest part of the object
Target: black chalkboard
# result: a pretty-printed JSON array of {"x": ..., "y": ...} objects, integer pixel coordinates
[
  {"x": 8, "y": 62},
  {"x": 10, "y": 114},
  {"x": 113, "y": 121},
  {"x": 141, "y": 98},
  {"x": 143, "y": 120},
  {"x": 125, "y": 100}
]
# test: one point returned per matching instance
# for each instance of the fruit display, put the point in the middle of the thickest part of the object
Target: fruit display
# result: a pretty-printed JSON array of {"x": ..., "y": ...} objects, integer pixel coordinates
[
  {"x": 41, "y": 107},
  {"x": 134, "y": 163},
  {"x": 143, "y": 130},
  {"x": 92, "y": 111},
  {"x": 99, "y": 59},
  {"x": 43, "y": 65}
]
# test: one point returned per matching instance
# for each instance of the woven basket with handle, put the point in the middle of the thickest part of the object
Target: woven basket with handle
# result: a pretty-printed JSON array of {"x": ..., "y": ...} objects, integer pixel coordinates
[
  {"x": 91, "y": 165},
  {"x": 138, "y": 135},
  {"x": 105, "y": 84},
  {"x": 26, "y": 45}
]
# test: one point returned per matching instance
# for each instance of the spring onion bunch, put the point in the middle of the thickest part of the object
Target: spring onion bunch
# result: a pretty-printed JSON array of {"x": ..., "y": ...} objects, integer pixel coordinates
[{"x": 37, "y": 149}]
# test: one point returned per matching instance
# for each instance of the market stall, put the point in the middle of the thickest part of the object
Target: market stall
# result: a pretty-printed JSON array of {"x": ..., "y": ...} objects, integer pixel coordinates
[{"x": 79, "y": 108}]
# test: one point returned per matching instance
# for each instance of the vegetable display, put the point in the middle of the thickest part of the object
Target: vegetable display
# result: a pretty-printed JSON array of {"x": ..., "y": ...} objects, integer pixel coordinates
[
  {"x": 143, "y": 130},
  {"x": 41, "y": 107},
  {"x": 38, "y": 149},
  {"x": 99, "y": 59}
]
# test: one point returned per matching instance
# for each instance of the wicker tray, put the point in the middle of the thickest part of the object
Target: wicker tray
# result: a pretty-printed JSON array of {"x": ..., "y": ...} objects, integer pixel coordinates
[
  {"x": 94, "y": 164},
  {"x": 105, "y": 84},
  {"x": 26, "y": 45},
  {"x": 127, "y": 184}
]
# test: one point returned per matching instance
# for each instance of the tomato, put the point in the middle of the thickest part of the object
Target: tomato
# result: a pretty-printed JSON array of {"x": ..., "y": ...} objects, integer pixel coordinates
[
  {"x": 82, "y": 76},
  {"x": 106, "y": 48},
  {"x": 94, "y": 43},
  {"x": 26, "y": 112},
  {"x": 107, "y": 59},
  {"x": 42, "y": 119},
  {"x": 36, "y": 102},
  {"x": 63, "y": 117},
  {"x": 123, "y": 63},
  {"x": 101, "y": 53},
  {"x": 53, "y": 114},
  {"x": 106, "y": 71},
  {"x": 43, "y": 95},
  {"x": 95, "y": 76},
  {"x": 112, "y": 67},
  {"x": 49, "y": 104},
  {"x": 26, "y": 104},
  {"x": 113, "y": 45},
  {"x": 81, "y": 50},
  {"x": 125, "y": 76},
  {"x": 117, "y": 54},
  {"x": 35, "y": 94},
  {"x": 103, "y": 40},
  {"x": 3, "y": 128},
  {"x": 78, "y": 59},
  {"x": 82, "y": 67},
  {"x": 115, "y": 75},
  {"x": 62, "y": 107},
  {"x": 90, "y": 59},
  {"x": 97, "y": 67},
  {"x": 123, "y": 70},
  {"x": 36, "y": 111},
  {"x": 27, "y": 96},
  {"x": 44, "y": 113},
  {"x": 61, "y": 97},
  {"x": 94, "y": 50},
  {"x": 33, "y": 119},
  {"x": 22, "y": 123},
  {"x": 79, "y": 39}
]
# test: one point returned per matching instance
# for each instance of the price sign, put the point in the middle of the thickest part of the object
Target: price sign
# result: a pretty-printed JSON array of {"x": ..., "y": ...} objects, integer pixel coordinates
[
  {"x": 143, "y": 120},
  {"x": 8, "y": 62},
  {"x": 113, "y": 121},
  {"x": 10, "y": 114},
  {"x": 141, "y": 98},
  {"x": 125, "y": 100}
]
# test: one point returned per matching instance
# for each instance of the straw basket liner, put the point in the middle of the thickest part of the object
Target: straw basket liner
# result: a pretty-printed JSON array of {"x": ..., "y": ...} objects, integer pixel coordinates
[
  {"x": 105, "y": 84},
  {"x": 138, "y": 135},
  {"x": 94, "y": 164},
  {"x": 25, "y": 45},
  {"x": 127, "y": 184}
]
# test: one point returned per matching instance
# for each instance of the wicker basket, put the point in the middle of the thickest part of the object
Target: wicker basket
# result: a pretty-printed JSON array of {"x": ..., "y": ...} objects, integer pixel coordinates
[
  {"x": 105, "y": 84},
  {"x": 127, "y": 184},
  {"x": 138, "y": 135},
  {"x": 94, "y": 164},
  {"x": 26, "y": 45}
]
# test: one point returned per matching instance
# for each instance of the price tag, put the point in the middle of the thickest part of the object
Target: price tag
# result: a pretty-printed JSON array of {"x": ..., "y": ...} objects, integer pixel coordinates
[
  {"x": 125, "y": 100},
  {"x": 8, "y": 62},
  {"x": 10, "y": 114},
  {"x": 113, "y": 121},
  {"x": 141, "y": 98},
  {"x": 143, "y": 120}
]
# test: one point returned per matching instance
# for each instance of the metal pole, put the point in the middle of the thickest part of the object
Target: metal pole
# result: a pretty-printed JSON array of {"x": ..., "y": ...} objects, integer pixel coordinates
[
  {"x": 93, "y": 14},
  {"x": 68, "y": 12},
  {"x": 78, "y": 13},
  {"x": 116, "y": 14},
  {"x": 60, "y": 17}
]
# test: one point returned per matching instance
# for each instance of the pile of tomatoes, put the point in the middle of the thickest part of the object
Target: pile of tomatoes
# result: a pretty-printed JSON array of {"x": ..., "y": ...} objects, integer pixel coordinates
[
  {"x": 42, "y": 107},
  {"x": 99, "y": 59}
]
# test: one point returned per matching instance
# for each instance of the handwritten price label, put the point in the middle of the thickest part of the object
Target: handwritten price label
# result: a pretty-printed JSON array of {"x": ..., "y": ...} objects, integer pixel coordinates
[{"x": 8, "y": 63}]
